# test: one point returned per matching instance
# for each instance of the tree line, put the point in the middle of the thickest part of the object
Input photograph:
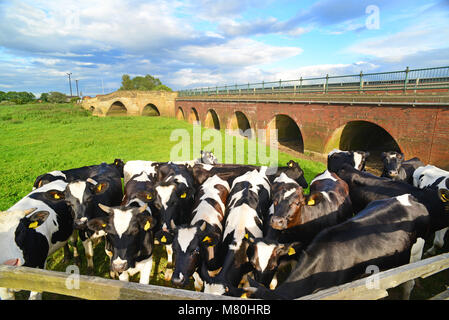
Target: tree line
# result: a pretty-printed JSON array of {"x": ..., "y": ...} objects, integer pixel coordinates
[
  {"x": 23, "y": 97},
  {"x": 146, "y": 83}
]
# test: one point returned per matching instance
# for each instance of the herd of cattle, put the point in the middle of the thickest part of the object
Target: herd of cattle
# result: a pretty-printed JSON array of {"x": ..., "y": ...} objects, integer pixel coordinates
[{"x": 232, "y": 227}]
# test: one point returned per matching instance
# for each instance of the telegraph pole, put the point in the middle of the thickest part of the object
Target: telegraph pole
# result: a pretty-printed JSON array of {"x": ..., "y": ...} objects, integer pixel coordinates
[
  {"x": 77, "y": 94},
  {"x": 70, "y": 83}
]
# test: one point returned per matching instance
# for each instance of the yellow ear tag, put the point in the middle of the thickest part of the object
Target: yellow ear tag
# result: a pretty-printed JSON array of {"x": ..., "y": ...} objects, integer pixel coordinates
[
  {"x": 33, "y": 225},
  {"x": 207, "y": 239},
  {"x": 56, "y": 196},
  {"x": 100, "y": 186},
  {"x": 183, "y": 195},
  {"x": 311, "y": 202},
  {"x": 147, "y": 226},
  {"x": 246, "y": 236},
  {"x": 149, "y": 197},
  {"x": 244, "y": 296},
  {"x": 163, "y": 239},
  {"x": 291, "y": 251},
  {"x": 444, "y": 198},
  {"x": 104, "y": 225},
  {"x": 290, "y": 164}
]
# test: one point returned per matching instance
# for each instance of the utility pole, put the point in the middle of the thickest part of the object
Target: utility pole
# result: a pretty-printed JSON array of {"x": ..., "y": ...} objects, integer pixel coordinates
[
  {"x": 77, "y": 94},
  {"x": 70, "y": 83}
]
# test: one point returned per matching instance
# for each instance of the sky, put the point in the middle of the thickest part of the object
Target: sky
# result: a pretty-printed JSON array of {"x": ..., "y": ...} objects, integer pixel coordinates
[{"x": 191, "y": 44}]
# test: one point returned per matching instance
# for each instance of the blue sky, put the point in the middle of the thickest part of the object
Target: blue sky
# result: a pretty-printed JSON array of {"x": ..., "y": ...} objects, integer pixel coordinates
[{"x": 190, "y": 44}]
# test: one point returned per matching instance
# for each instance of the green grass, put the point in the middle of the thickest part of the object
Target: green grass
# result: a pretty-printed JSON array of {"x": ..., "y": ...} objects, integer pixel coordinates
[{"x": 39, "y": 138}]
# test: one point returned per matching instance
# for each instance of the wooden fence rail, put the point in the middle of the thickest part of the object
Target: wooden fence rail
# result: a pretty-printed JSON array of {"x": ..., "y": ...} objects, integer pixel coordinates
[
  {"x": 358, "y": 290},
  {"x": 96, "y": 288}
]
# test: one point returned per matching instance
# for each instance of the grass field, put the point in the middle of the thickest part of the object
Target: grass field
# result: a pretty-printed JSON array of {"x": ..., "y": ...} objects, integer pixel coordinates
[{"x": 39, "y": 138}]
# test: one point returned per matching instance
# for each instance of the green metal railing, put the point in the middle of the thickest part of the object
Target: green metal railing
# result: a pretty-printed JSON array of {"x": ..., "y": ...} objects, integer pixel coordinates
[{"x": 408, "y": 79}]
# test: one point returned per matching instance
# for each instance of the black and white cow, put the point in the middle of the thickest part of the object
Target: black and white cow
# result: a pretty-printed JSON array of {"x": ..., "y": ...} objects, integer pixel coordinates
[
  {"x": 327, "y": 204},
  {"x": 431, "y": 176},
  {"x": 35, "y": 227},
  {"x": 130, "y": 240},
  {"x": 365, "y": 188},
  {"x": 174, "y": 200},
  {"x": 75, "y": 174},
  {"x": 295, "y": 217},
  {"x": 229, "y": 172},
  {"x": 336, "y": 158},
  {"x": 83, "y": 196},
  {"x": 200, "y": 241},
  {"x": 137, "y": 167},
  {"x": 248, "y": 199},
  {"x": 267, "y": 256},
  {"x": 396, "y": 168},
  {"x": 388, "y": 233}
]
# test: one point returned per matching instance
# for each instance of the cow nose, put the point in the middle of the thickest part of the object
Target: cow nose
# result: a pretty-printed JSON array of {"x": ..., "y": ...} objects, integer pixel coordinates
[
  {"x": 393, "y": 173},
  {"x": 178, "y": 280},
  {"x": 119, "y": 266},
  {"x": 80, "y": 223},
  {"x": 278, "y": 223}
]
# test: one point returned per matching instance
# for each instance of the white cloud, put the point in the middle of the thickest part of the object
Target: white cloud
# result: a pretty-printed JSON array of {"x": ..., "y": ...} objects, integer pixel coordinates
[{"x": 238, "y": 52}]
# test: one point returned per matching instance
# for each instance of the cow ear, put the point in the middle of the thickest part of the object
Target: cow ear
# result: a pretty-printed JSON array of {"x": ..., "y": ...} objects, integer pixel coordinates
[
  {"x": 98, "y": 224},
  {"x": 443, "y": 194},
  {"x": 163, "y": 237},
  {"x": 401, "y": 155},
  {"x": 55, "y": 195},
  {"x": 106, "y": 209},
  {"x": 101, "y": 187},
  {"x": 37, "y": 218},
  {"x": 146, "y": 222},
  {"x": 314, "y": 199},
  {"x": 291, "y": 249}
]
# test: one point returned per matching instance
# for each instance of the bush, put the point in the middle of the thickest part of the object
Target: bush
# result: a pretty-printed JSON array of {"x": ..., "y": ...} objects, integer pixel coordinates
[{"x": 57, "y": 97}]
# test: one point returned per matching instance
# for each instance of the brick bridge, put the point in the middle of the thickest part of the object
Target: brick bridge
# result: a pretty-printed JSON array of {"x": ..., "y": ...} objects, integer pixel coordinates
[{"x": 416, "y": 124}]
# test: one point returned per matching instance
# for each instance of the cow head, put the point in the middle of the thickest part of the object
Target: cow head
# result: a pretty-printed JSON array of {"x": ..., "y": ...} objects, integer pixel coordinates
[
  {"x": 80, "y": 196},
  {"x": 392, "y": 161},
  {"x": 265, "y": 255},
  {"x": 337, "y": 158},
  {"x": 296, "y": 173},
  {"x": 287, "y": 206},
  {"x": 174, "y": 199},
  {"x": 208, "y": 157},
  {"x": 191, "y": 245},
  {"x": 128, "y": 232},
  {"x": 32, "y": 243}
]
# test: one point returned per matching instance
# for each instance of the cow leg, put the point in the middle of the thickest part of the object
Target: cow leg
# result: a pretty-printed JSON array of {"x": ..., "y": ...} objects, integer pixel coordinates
[
  {"x": 89, "y": 252},
  {"x": 415, "y": 255},
  {"x": 124, "y": 276},
  {"x": 145, "y": 270},
  {"x": 169, "y": 267},
  {"x": 198, "y": 283},
  {"x": 438, "y": 242},
  {"x": 72, "y": 241}
]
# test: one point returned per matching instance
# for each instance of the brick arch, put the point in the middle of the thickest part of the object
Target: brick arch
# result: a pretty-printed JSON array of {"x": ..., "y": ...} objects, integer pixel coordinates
[
  {"x": 193, "y": 115},
  {"x": 212, "y": 121},
  {"x": 363, "y": 135},
  {"x": 180, "y": 114},
  {"x": 289, "y": 133},
  {"x": 117, "y": 108},
  {"x": 239, "y": 121},
  {"x": 150, "y": 110}
]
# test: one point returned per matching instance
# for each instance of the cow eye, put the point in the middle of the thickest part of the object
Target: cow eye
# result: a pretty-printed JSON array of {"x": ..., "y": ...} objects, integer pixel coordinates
[{"x": 197, "y": 250}]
